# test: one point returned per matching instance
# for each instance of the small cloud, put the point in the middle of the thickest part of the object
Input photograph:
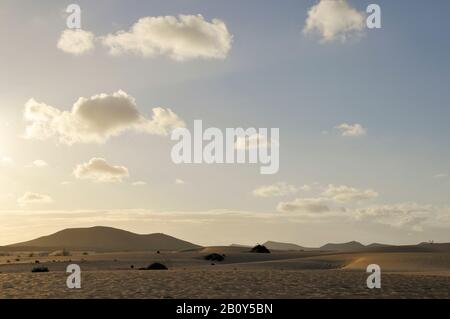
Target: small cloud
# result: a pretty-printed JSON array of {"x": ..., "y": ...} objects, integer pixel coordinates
[
  {"x": 6, "y": 161},
  {"x": 334, "y": 20},
  {"x": 440, "y": 175},
  {"x": 352, "y": 130},
  {"x": 139, "y": 183},
  {"x": 76, "y": 42},
  {"x": 348, "y": 194},
  {"x": 305, "y": 205},
  {"x": 306, "y": 188},
  {"x": 34, "y": 198},
  {"x": 38, "y": 164},
  {"x": 254, "y": 141},
  {"x": 98, "y": 170},
  {"x": 65, "y": 183},
  {"x": 181, "y": 38},
  {"x": 275, "y": 190},
  {"x": 179, "y": 181}
]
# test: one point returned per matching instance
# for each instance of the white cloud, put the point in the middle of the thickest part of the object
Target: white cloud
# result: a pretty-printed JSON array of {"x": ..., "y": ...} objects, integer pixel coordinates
[
  {"x": 334, "y": 19},
  {"x": 6, "y": 161},
  {"x": 348, "y": 194},
  {"x": 139, "y": 183},
  {"x": 352, "y": 130},
  {"x": 306, "y": 188},
  {"x": 39, "y": 164},
  {"x": 409, "y": 216},
  {"x": 275, "y": 190},
  {"x": 181, "y": 38},
  {"x": 96, "y": 119},
  {"x": 98, "y": 170},
  {"x": 440, "y": 175},
  {"x": 403, "y": 215},
  {"x": 34, "y": 198},
  {"x": 179, "y": 181},
  {"x": 305, "y": 205},
  {"x": 76, "y": 42},
  {"x": 254, "y": 141}
]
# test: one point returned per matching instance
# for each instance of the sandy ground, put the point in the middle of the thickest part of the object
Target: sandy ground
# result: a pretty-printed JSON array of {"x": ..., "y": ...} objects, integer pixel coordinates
[
  {"x": 190, "y": 284},
  {"x": 241, "y": 275}
]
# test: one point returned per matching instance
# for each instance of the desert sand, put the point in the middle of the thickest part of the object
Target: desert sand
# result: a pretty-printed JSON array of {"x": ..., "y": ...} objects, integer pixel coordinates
[{"x": 406, "y": 273}]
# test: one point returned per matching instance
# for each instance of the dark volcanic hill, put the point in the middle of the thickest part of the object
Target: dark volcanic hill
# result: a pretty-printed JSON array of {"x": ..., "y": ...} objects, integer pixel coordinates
[
  {"x": 105, "y": 239},
  {"x": 350, "y": 246},
  {"x": 273, "y": 245}
]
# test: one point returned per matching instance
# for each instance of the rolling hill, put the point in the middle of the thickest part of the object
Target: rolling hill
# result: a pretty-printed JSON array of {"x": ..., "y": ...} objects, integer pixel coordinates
[
  {"x": 350, "y": 246},
  {"x": 105, "y": 239},
  {"x": 273, "y": 245}
]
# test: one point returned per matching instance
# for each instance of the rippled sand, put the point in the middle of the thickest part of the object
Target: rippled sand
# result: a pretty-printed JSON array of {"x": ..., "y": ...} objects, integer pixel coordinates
[
  {"x": 223, "y": 284},
  {"x": 241, "y": 275}
]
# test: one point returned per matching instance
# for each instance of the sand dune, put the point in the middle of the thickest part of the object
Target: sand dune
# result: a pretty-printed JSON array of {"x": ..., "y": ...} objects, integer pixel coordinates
[{"x": 418, "y": 271}]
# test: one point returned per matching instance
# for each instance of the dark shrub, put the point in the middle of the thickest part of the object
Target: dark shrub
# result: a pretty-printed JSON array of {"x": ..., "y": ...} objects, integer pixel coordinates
[
  {"x": 155, "y": 266},
  {"x": 36, "y": 261},
  {"x": 40, "y": 269},
  {"x": 260, "y": 249},
  {"x": 65, "y": 252},
  {"x": 215, "y": 257}
]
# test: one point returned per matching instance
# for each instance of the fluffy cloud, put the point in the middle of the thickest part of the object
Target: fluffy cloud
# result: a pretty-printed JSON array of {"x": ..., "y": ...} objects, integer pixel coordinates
[
  {"x": 179, "y": 181},
  {"x": 348, "y": 194},
  {"x": 352, "y": 130},
  {"x": 76, "y": 42},
  {"x": 6, "y": 161},
  {"x": 139, "y": 183},
  {"x": 408, "y": 216},
  {"x": 34, "y": 198},
  {"x": 38, "y": 164},
  {"x": 254, "y": 141},
  {"x": 305, "y": 205},
  {"x": 334, "y": 19},
  {"x": 403, "y": 215},
  {"x": 306, "y": 188},
  {"x": 182, "y": 38},
  {"x": 275, "y": 190},
  {"x": 96, "y": 119},
  {"x": 98, "y": 170}
]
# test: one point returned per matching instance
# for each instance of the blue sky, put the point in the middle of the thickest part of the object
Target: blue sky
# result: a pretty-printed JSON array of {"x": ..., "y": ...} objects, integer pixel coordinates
[{"x": 393, "y": 81}]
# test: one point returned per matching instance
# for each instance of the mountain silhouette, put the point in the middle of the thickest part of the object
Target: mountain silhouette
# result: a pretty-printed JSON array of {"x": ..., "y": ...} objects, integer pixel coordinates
[
  {"x": 105, "y": 239},
  {"x": 350, "y": 246},
  {"x": 273, "y": 245}
]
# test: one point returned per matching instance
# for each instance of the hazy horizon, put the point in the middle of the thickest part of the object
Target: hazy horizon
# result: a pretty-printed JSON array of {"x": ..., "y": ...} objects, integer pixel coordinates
[{"x": 209, "y": 245}]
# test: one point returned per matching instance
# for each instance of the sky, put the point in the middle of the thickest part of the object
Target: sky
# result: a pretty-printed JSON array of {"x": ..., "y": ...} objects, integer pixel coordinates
[{"x": 86, "y": 117}]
